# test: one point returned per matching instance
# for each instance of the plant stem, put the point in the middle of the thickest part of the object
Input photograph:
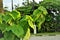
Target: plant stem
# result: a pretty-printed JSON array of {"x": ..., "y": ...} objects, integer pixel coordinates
[
  {"x": 21, "y": 38},
  {"x": 35, "y": 29}
]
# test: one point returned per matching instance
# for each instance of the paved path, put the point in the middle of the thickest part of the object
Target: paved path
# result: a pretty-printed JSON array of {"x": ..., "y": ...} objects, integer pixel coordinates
[{"x": 45, "y": 37}]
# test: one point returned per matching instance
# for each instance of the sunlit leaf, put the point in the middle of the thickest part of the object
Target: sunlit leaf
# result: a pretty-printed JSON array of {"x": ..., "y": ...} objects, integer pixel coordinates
[
  {"x": 27, "y": 36},
  {"x": 29, "y": 17},
  {"x": 31, "y": 24},
  {"x": 15, "y": 15}
]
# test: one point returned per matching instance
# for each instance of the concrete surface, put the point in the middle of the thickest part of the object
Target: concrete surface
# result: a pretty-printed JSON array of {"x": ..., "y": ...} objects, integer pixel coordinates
[{"x": 45, "y": 37}]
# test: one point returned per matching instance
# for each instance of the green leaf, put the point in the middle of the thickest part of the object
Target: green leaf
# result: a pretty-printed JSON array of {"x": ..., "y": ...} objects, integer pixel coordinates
[
  {"x": 39, "y": 16},
  {"x": 15, "y": 14},
  {"x": 1, "y": 18},
  {"x": 40, "y": 20},
  {"x": 41, "y": 8},
  {"x": 17, "y": 30},
  {"x": 7, "y": 18},
  {"x": 31, "y": 24},
  {"x": 36, "y": 14},
  {"x": 24, "y": 24},
  {"x": 27, "y": 36},
  {"x": 8, "y": 28},
  {"x": 3, "y": 27},
  {"x": 8, "y": 36},
  {"x": 26, "y": 18},
  {"x": 48, "y": 18},
  {"x": 29, "y": 17}
]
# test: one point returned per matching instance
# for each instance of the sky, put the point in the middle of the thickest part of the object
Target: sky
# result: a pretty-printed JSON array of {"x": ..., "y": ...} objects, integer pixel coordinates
[{"x": 7, "y": 3}]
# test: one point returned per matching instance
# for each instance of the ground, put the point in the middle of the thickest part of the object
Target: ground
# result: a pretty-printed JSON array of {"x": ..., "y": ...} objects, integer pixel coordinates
[
  {"x": 46, "y": 36},
  {"x": 57, "y": 37}
]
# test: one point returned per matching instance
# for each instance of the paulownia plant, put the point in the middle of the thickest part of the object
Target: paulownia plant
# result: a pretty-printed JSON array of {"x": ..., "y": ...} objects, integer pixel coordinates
[{"x": 15, "y": 27}]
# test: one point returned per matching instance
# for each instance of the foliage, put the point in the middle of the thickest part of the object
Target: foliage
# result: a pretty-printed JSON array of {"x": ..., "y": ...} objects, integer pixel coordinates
[
  {"x": 15, "y": 26},
  {"x": 25, "y": 10},
  {"x": 12, "y": 25},
  {"x": 39, "y": 16},
  {"x": 52, "y": 6}
]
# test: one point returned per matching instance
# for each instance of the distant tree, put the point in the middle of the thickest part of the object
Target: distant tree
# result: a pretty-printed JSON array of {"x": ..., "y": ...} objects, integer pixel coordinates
[{"x": 52, "y": 23}]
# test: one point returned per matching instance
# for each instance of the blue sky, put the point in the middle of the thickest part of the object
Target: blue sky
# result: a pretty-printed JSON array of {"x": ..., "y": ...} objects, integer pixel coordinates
[{"x": 7, "y": 3}]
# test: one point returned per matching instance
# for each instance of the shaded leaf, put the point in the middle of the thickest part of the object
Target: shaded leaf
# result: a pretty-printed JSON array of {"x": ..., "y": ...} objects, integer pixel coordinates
[
  {"x": 44, "y": 11},
  {"x": 40, "y": 21},
  {"x": 24, "y": 24},
  {"x": 3, "y": 27},
  {"x": 8, "y": 36}
]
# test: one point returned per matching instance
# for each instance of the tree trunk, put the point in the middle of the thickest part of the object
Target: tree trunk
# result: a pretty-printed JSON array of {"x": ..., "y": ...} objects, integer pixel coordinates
[{"x": 1, "y": 6}]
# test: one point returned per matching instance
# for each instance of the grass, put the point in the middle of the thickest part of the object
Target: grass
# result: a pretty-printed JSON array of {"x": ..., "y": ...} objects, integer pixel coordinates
[{"x": 47, "y": 34}]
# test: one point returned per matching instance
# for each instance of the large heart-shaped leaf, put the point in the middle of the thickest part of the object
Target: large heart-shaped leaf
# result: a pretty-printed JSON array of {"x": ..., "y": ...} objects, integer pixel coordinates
[
  {"x": 24, "y": 24},
  {"x": 15, "y": 14},
  {"x": 17, "y": 30}
]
